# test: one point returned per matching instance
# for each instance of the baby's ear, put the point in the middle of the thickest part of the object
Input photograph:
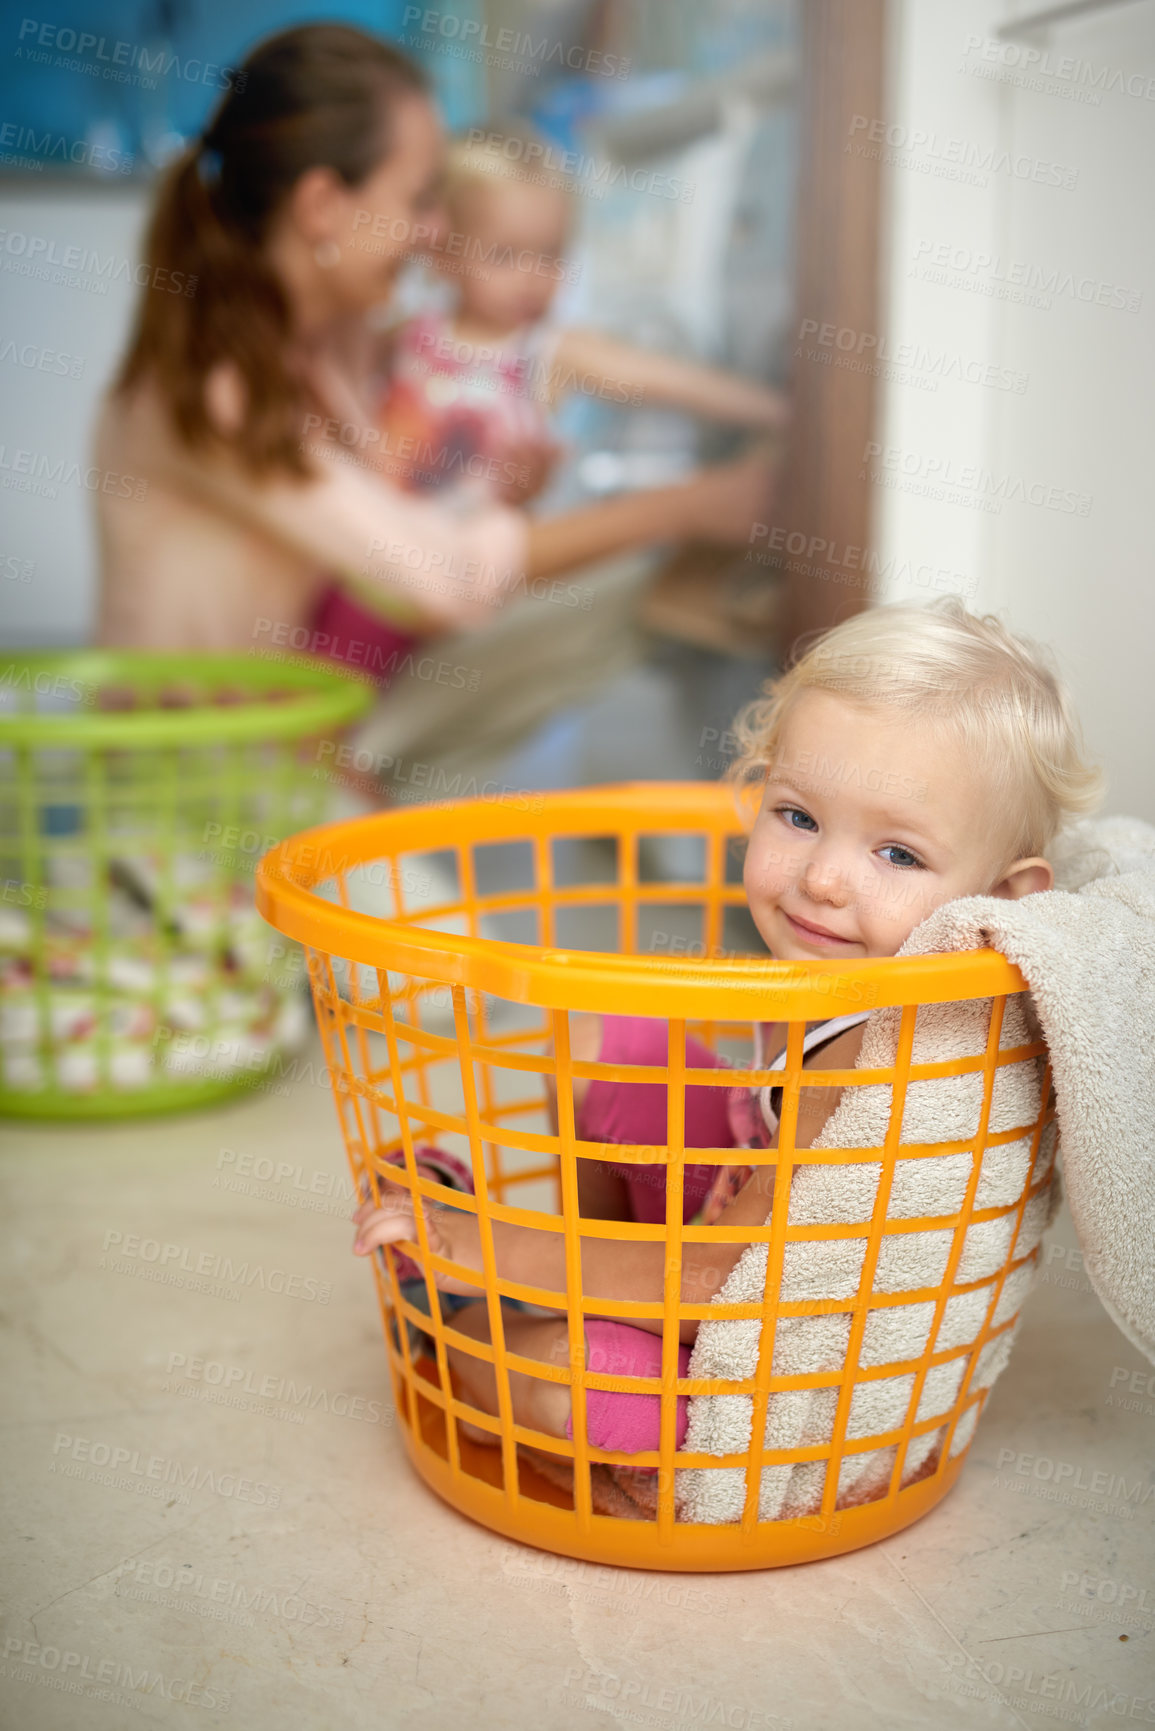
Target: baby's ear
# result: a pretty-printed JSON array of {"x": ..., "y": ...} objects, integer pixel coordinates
[{"x": 1027, "y": 877}]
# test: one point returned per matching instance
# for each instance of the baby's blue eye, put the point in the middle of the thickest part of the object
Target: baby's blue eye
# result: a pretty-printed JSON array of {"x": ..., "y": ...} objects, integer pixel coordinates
[
  {"x": 797, "y": 818},
  {"x": 908, "y": 859}
]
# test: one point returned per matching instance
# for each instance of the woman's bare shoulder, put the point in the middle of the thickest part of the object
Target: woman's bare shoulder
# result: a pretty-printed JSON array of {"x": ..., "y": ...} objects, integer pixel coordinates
[
  {"x": 130, "y": 425},
  {"x": 137, "y": 421}
]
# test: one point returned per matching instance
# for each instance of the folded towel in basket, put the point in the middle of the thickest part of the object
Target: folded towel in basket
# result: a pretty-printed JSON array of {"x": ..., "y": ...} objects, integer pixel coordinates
[{"x": 1087, "y": 949}]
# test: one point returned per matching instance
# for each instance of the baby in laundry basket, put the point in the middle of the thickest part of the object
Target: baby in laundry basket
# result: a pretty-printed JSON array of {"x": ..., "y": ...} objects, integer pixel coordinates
[{"x": 912, "y": 756}]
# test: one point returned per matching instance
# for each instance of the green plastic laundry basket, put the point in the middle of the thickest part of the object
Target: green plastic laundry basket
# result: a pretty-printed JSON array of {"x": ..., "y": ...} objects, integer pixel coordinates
[{"x": 137, "y": 792}]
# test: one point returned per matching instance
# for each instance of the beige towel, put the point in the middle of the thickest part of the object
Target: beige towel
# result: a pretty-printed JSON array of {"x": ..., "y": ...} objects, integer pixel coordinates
[{"x": 1088, "y": 950}]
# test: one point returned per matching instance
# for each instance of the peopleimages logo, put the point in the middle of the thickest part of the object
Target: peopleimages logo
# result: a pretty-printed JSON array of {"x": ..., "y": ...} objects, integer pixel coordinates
[
  {"x": 586, "y": 174},
  {"x": 1035, "y": 68},
  {"x": 945, "y": 262},
  {"x": 237, "y": 1379},
  {"x": 1120, "y": 1495},
  {"x": 161, "y": 1581},
  {"x": 118, "y": 60},
  {"x": 475, "y": 39},
  {"x": 956, "y": 157},
  {"x": 137, "y": 1468},
  {"x": 37, "y": 359},
  {"x": 42, "y": 683},
  {"x": 53, "y": 146},
  {"x": 845, "y": 346},
  {"x": 890, "y": 463},
  {"x": 36, "y": 471},
  {"x": 79, "y": 266},
  {"x": 95, "y": 1676},
  {"x": 129, "y": 1250}
]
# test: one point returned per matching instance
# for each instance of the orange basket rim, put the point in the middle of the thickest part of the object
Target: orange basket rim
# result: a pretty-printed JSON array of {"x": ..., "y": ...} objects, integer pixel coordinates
[{"x": 735, "y": 989}]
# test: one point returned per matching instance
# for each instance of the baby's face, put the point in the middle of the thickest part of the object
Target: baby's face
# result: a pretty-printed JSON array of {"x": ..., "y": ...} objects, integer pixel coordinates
[
  {"x": 511, "y": 257},
  {"x": 868, "y": 823}
]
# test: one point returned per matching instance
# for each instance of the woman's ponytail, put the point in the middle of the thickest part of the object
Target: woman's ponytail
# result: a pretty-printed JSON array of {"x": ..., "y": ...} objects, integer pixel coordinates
[
  {"x": 210, "y": 297},
  {"x": 315, "y": 97}
]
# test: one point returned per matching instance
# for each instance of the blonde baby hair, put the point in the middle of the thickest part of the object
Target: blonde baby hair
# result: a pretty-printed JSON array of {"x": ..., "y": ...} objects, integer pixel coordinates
[
  {"x": 512, "y": 155},
  {"x": 963, "y": 673}
]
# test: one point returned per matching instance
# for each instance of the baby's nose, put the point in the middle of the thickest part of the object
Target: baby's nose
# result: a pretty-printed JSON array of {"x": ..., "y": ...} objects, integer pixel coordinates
[{"x": 825, "y": 881}]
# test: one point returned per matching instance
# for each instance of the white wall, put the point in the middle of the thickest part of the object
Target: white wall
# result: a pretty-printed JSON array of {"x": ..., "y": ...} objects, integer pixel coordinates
[
  {"x": 46, "y": 415},
  {"x": 1080, "y": 428}
]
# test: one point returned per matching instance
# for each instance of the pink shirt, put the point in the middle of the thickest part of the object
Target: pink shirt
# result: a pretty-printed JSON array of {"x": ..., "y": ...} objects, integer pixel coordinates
[{"x": 454, "y": 408}]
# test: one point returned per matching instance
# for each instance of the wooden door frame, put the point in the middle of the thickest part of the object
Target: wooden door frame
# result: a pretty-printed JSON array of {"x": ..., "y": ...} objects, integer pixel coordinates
[{"x": 826, "y": 496}]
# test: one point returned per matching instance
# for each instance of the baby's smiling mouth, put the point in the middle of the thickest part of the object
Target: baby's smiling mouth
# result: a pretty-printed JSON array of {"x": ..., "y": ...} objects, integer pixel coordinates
[{"x": 815, "y": 934}]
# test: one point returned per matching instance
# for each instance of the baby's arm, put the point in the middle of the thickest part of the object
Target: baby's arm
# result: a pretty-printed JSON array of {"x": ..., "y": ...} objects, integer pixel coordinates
[
  {"x": 611, "y": 1269},
  {"x": 631, "y": 375}
]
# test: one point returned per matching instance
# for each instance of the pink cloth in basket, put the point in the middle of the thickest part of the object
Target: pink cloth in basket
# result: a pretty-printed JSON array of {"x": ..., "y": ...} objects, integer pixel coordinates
[{"x": 629, "y": 1422}]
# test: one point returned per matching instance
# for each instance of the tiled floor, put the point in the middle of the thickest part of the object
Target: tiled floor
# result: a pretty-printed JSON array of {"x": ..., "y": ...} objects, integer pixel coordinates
[{"x": 301, "y": 1575}]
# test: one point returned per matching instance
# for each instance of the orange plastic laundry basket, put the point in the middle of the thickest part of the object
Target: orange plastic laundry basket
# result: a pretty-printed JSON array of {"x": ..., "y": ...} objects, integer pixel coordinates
[{"x": 448, "y": 1036}]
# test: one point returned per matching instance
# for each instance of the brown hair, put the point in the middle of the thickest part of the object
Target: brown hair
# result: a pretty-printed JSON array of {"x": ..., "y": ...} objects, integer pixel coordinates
[{"x": 316, "y": 97}]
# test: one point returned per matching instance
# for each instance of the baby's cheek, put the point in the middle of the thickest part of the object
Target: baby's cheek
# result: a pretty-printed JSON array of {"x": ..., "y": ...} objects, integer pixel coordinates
[
  {"x": 907, "y": 902},
  {"x": 766, "y": 874}
]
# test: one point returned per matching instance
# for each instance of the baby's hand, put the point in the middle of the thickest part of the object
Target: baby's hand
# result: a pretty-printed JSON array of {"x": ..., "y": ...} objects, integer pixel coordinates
[{"x": 452, "y": 1232}]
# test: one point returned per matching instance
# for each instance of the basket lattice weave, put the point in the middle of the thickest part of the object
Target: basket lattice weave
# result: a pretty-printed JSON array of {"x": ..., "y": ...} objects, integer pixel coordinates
[
  {"x": 137, "y": 793},
  {"x": 444, "y": 1023}
]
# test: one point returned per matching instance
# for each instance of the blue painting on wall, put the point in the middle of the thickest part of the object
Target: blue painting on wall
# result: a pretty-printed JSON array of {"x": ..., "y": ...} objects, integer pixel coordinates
[{"x": 118, "y": 86}]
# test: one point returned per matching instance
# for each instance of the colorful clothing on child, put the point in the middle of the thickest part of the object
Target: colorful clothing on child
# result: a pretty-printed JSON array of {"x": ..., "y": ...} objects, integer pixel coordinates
[
  {"x": 452, "y": 408},
  {"x": 715, "y": 1117},
  {"x": 635, "y": 1113},
  {"x": 446, "y": 418},
  {"x": 627, "y": 1422}
]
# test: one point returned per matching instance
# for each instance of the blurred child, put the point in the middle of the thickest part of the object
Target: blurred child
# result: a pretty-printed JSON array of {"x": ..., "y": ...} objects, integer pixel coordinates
[
  {"x": 471, "y": 389},
  {"x": 467, "y": 407}
]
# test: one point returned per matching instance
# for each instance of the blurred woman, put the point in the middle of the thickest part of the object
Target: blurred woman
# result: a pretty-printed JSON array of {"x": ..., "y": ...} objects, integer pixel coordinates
[{"x": 247, "y": 399}]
